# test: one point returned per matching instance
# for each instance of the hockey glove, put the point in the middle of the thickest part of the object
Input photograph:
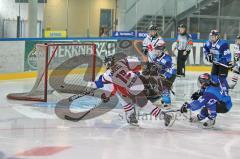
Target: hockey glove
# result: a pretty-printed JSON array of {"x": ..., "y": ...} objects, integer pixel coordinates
[
  {"x": 237, "y": 56},
  {"x": 184, "y": 107},
  {"x": 145, "y": 51},
  {"x": 167, "y": 75},
  {"x": 209, "y": 57},
  {"x": 236, "y": 69},
  {"x": 195, "y": 95},
  {"x": 104, "y": 98},
  {"x": 185, "y": 53},
  {"x": 230, "y": 64}
]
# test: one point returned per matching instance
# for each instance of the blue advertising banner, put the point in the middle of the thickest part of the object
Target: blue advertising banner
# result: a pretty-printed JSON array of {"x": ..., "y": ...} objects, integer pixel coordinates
[
  {"x": 123, "y": 34},
  {"x": 142, "y": 34}
]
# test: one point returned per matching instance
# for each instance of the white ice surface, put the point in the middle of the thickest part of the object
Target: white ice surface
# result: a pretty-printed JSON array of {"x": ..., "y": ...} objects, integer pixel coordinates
[{"x": 27, "y": 125}]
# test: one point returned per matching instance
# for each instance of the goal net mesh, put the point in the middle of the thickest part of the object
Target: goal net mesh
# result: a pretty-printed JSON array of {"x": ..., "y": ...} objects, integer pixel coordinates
[{"x": 62, "y": 67}]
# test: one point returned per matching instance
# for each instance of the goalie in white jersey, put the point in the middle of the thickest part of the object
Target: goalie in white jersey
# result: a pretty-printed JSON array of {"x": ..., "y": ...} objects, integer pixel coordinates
[{"x": 123, "y": 75}]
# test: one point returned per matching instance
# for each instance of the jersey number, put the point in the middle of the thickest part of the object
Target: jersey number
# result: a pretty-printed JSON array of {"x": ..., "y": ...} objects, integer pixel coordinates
[{"x": 122, "y": 76}]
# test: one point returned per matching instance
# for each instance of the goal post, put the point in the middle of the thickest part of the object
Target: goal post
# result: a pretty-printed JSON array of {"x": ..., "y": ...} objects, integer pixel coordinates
[{"x": 62, "y": 67}]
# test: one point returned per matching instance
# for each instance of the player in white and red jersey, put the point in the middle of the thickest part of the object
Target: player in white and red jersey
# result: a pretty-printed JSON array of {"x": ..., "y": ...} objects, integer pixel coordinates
[
  {"x": 236, "y": 66},
  {"x": 123, "y": 74},
  {"x": 151, "y": 42}
]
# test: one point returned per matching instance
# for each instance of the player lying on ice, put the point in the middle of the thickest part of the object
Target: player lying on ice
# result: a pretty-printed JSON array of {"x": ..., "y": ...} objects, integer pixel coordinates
[
  {"x": 212, "y": 98},
  {"x": 159, "y": 65},
  {"x": 123, "y": 75}
]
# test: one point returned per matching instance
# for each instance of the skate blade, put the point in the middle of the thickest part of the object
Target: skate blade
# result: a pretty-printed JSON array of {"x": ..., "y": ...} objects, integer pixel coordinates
[
  {"x": 167, "y": 107},
  {"x": 174, "y": 116},
  {"x": 134, "y": 124}
]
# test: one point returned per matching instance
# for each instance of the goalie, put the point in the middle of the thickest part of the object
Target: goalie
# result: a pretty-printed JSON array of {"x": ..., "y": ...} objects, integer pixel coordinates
[{"x": 123, "y": 75}]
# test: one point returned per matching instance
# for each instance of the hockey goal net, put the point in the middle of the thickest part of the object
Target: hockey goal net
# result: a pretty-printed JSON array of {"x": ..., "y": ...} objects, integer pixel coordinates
[{"x": 62, "y": 67}]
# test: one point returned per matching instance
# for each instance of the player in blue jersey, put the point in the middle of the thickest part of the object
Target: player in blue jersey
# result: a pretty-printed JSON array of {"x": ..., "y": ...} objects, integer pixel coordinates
[
  {"x": 217, "y": 52},
  {"x": 168, "y": 71},
  {"x": 212, "y": 98}
]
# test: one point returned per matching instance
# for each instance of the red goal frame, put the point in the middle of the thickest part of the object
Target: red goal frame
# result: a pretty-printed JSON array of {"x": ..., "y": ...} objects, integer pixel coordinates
[{"x": 44, "y": 76}]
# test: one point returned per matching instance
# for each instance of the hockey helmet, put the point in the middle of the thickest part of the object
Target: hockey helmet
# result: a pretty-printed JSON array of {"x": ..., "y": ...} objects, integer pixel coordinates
[
  {"x": 204, "y": 80},
  {"x": 182, "y": 26},
  {"x": 153, "y": 28},
  {"x": 214, "y": 33},
  {"x": 238, "y": 40},
  {"x": 109, "y": 61}
]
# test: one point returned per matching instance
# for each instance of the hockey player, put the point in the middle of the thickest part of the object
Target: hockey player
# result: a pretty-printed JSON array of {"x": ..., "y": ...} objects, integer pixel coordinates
[
  {"x": 211, "y": 99},
  {"x": 154, "y": 48},
  {"x": 150, "y": 43},
  {"x": 236, "y": 65},
  {"x": 168, "y": 71},
  {"x": 123, "y": 75},
  {"x": 183, "y": 45},
  {"x": 236, "y": 50},
  {"x": 217, "y": 52}
]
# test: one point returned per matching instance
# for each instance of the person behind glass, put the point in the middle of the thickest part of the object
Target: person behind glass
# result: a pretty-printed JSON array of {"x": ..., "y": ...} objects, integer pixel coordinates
[
  {"x": 183, "y": 45},
  {"x": 104, "y": 32}
]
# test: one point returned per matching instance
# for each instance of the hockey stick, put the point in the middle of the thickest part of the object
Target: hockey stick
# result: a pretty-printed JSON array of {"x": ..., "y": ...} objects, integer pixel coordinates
[
  {"x": 81, "y": 117},
  {"x": 221, "y": 64},
  {"x": 76, "y": 96}
]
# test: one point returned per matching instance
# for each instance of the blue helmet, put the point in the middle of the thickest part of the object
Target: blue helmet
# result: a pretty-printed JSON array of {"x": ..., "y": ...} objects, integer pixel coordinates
[
  {"x": 214, "y": 32},
  {"x": 204, "y": 79}
]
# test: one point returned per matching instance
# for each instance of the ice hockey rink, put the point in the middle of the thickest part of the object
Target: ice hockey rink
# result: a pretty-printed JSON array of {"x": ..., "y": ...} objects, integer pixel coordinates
[{"x": 32, "y": 130}]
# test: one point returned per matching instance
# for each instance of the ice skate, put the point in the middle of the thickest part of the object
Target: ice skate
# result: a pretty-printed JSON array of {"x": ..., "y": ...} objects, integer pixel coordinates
[
  {"x": 209, "y": 123},
  {"x": 169, "y": 119},
  {"x": 194, "y": 119},
  {"x": 131, "y": 118},
  {"x": 167, "y": 106}
]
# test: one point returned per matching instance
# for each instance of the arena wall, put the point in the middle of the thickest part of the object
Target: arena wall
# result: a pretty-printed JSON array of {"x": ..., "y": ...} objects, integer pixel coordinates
[{"x": 23, "y": 65}]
